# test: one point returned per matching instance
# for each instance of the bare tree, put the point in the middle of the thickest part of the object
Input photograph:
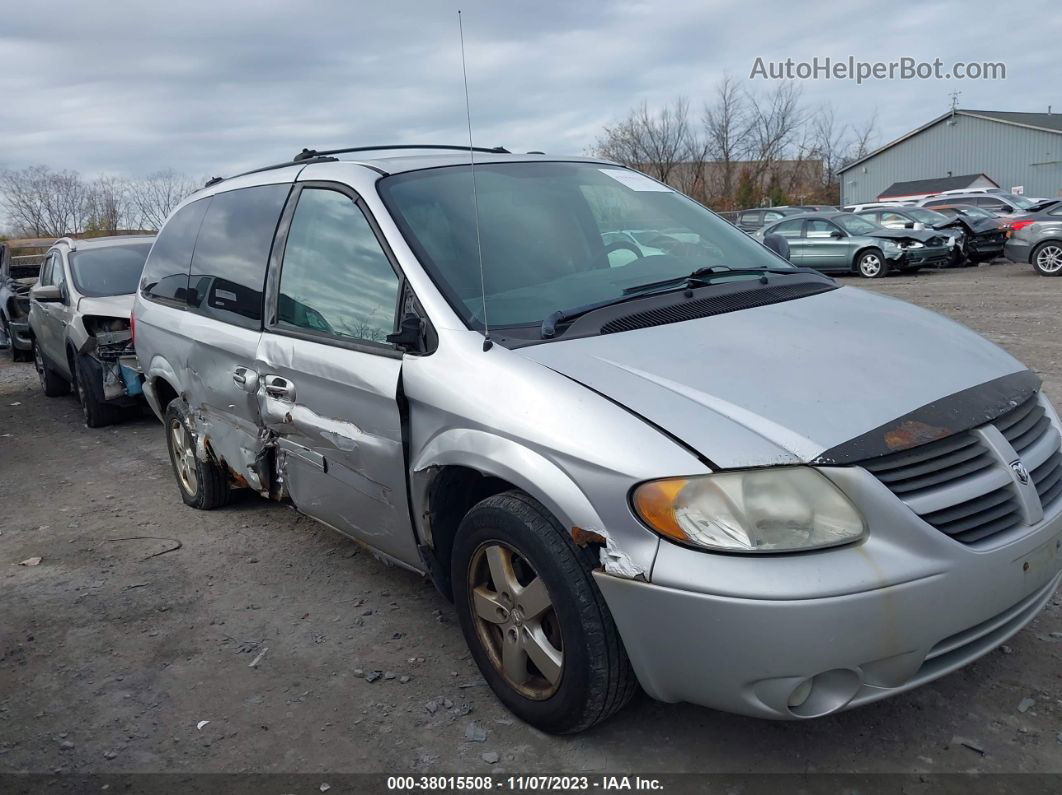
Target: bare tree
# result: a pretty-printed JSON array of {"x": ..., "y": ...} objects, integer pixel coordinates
[
  {"x": 775, "y": 119},
  {"x": 108, "y": 200},
  {"x": 726, "y": 138},
  {"x": 654, "y": 142},
  {"x": 152, "y": 198},
  {"x": 44, "y": 203}
]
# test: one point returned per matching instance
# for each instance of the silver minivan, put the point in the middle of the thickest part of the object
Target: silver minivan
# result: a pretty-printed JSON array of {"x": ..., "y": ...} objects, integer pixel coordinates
[{"x": 695, "y": 467}]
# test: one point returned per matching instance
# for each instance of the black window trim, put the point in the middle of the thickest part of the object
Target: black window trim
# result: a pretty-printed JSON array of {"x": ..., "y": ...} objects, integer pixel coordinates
[{"x": 270, "y": 324}]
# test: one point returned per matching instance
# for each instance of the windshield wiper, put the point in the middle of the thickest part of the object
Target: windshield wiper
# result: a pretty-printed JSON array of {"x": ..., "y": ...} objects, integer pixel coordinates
[
  {"x": 703, "y": 276},
  {"x": 700, "y": 276}
]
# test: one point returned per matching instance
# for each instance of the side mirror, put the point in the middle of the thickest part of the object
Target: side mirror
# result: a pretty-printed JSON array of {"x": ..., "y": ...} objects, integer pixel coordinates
[
  {"x": 837, "y": 234},
  {"x": 46, "y": 294},
  {"x": 909, "y": 225},
  {"x": 410, "y": 334}
]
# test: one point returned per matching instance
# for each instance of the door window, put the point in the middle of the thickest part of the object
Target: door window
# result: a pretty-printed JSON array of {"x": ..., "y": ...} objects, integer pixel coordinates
[
  {"x": 228, "y": 269},
  {"x": 788, "y": 229},
  {"x": 59, "y": 274},
  {"x": 818, "y": 229},
  {"x": 335, "y": 278}
]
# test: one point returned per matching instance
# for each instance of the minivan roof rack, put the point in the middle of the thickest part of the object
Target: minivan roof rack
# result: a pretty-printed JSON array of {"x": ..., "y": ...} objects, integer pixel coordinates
[
  {"x": 313, "y": 155},
  {"x": 309, "y": 154}
]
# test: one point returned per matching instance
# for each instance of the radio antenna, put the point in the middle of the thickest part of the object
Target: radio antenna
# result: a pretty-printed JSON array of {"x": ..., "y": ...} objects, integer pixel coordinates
[{"x": 487, "y": 342}]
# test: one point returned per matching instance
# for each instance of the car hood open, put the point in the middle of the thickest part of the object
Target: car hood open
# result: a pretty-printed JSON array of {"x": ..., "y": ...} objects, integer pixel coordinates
[{"x": 785, "y": 383}]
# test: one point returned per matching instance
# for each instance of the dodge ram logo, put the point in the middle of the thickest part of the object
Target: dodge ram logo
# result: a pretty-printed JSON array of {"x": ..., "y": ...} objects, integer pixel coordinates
[{"x": 1020, "y": 471}]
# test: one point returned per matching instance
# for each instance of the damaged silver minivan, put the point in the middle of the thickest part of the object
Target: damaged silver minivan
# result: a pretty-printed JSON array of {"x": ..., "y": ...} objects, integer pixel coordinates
[{"x": 686, "y": 464}]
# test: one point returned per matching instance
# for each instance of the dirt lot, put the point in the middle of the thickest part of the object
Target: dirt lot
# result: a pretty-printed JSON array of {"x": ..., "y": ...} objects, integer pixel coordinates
[{"x": 115, "y": 649}]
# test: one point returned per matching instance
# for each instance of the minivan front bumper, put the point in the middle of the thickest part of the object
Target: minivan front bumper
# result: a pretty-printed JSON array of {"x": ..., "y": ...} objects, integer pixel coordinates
[{"x": 817, "y": 651}]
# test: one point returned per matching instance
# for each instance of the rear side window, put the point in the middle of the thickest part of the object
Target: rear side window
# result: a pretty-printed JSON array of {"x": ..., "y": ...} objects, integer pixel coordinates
[
  {"x": 231, "y": 254},
  {"x": 788, "y": 228},
  {"x": 335, "y": 279},
  {"x": 165, "y": 276}
]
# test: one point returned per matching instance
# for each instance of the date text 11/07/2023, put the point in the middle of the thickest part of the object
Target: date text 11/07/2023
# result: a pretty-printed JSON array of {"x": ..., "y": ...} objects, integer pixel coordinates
[{"x": 529, "y": 783}]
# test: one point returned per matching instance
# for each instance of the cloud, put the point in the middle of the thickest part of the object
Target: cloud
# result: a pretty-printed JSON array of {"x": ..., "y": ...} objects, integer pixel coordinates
[{"x": 216, "y": 87}]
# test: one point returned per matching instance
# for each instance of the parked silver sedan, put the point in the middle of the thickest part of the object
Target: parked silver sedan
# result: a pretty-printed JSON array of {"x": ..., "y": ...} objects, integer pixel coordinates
[{"x": 79, "y": 320}]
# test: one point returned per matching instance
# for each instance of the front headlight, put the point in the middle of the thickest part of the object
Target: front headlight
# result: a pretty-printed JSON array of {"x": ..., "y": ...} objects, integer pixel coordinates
[
  {"x": 890, "y": 245},
  {"x": 777, "y": 509}
]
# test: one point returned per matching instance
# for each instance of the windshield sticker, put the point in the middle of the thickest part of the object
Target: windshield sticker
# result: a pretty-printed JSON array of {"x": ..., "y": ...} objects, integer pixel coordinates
[{"x": 634, "y": 180}]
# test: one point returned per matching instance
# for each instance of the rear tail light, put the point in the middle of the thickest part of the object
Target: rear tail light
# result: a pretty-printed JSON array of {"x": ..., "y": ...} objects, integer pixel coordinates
[
  {"x": 132, "y": 328},
  {"x": 1016, "y": 225}
]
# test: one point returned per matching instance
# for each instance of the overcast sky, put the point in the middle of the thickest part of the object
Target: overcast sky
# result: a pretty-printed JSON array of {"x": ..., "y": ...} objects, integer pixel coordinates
[{"x": 213, "y": 87}]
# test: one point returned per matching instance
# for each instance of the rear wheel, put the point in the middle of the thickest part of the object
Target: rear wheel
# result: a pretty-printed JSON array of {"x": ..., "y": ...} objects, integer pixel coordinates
[
  {"x": 88, "y": 388},
  {"x": 870, "y": 264},
  {"x": 54, "y": 384},
  {"x": 536, "y": 624},
  {"x": 203, "y": 484},
  {"x": 1047, "y": 259}
]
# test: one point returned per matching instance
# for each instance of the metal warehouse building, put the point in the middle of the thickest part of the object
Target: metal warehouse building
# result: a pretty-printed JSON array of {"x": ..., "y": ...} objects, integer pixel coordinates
[{"x": 1014, "y": 150}]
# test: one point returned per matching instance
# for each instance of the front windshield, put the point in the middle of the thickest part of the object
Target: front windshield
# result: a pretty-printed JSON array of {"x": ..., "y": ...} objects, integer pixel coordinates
[
  {"x": 1022, "y": 202},
  {"x": 108, "y": 271},
  {"x": 556, "y": 235},
  {"x": 974, "y": 212},
  {"x": 925, "y": 216},
  {"x": 856, "y": 225}
]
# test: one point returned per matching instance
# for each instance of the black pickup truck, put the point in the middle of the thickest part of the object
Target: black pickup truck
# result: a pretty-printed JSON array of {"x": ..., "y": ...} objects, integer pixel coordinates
[{"x": 17, "y": 275}]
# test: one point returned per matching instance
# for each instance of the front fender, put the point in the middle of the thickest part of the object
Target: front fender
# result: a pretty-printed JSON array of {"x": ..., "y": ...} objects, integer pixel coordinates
[{"x": 511, "y": 461}]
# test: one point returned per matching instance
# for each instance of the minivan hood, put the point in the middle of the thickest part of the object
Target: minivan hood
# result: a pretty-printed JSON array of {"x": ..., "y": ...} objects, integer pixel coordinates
[
  {"x": 786, "y": 382},
  {"x": 107, "y": 306}
]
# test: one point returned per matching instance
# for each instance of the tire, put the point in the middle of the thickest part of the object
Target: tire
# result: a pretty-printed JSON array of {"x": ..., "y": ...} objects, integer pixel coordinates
[
  {"x": 203, "y": 484},
  {"x": 587, "y": 677},
  {"x": 54, "y": 384},
  {"x": 1047, "y": 258},
  {"x": 88, "y": 389},
  {"x": 871, "y": 264},
  {"x": 17, "y": 354}
]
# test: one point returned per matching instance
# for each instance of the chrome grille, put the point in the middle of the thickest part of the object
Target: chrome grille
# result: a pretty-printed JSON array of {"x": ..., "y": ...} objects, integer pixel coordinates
[{"x": 964, "y": 489}]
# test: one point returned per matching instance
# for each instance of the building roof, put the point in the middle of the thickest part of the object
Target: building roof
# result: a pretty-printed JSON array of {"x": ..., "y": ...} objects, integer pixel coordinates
[
  {"x": 919, "y": 187},
  {"x": 1046, "y": 122}
]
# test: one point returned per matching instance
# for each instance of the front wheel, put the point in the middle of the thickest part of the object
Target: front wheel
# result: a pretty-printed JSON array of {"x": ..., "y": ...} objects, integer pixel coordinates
[
  {"x": 536, "y": 624},
  {"x": 88, "y": 389},
  {"x": 1047, "y": 259},
  {"x": 870, "y": 264}
]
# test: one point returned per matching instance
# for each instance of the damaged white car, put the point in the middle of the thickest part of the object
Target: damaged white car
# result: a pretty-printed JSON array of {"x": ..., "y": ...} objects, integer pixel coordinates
[
  {"x": 695, "y": 467},
  {"x": 79, "y": 323}
]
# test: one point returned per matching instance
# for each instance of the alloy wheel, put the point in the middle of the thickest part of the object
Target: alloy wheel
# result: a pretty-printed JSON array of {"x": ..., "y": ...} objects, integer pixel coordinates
[
  {"x": 183, "y": 456},
  {"x": 870, "y": 265},
  {"x": 515, "y": 620},
  {"x": 1049, "y": 259}
]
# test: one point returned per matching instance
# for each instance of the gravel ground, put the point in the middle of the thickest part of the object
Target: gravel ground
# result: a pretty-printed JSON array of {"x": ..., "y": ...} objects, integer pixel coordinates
[{"x": 152, "y": 637}]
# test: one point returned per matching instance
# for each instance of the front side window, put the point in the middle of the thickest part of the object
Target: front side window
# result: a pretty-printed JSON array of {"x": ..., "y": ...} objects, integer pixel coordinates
[
  {"x": 819, "y": 229},
  {"x": 542, "y": 230},
  {"x": 854, "y": 225},
  {"x": 108, "y": 271},
  {"x": 227, "y": 276},
  {"x": 335, "y": 278}
]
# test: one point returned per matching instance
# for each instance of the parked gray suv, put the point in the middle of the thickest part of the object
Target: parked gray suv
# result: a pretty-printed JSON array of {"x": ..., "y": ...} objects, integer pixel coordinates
[{"x": 703, "y": 470}]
